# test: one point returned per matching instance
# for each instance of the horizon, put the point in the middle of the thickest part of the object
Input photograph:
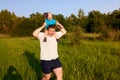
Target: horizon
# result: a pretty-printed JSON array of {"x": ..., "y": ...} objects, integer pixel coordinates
[{"x": 66, "y": 8}]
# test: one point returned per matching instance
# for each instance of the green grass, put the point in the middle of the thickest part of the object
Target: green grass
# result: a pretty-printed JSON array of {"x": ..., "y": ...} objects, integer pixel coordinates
[{"x": 89, "y": 60}]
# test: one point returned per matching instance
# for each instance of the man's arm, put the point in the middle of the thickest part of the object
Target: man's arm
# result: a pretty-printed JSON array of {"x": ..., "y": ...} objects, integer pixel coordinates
[
  {"x": 61, "y": 27},
  {"x": 36, "y": 32}
]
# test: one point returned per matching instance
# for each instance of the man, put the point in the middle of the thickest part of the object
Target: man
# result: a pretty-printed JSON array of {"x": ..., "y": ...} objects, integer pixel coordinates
[{"x": 49, "y": 53}]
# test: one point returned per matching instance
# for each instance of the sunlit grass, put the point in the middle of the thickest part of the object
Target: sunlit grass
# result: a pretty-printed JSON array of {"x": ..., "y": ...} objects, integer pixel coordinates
[{"x": 89, "y": 60}]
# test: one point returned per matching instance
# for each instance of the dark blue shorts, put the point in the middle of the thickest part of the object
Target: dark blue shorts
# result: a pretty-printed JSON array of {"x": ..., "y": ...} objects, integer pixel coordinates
[{"x": 48, "y": 66}]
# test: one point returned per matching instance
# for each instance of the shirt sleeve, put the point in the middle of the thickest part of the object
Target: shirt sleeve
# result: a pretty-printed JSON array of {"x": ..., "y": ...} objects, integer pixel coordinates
[
  {"x": 59, "y": 34},
  {"x": 40, "y": 35}
]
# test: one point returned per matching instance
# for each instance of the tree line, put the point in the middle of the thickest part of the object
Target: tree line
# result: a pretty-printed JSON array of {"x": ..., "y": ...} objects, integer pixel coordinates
[{"x": 94, "y": 22}]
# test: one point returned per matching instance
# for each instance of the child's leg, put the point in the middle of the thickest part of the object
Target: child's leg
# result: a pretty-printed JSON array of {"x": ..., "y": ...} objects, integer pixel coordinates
[
  {"x": 57, "y": 39},
  {"x": 45, "y": 35}
]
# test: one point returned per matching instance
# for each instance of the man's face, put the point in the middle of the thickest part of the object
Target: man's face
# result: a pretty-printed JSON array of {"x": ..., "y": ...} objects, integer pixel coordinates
[{"x": 51, "y": 31}]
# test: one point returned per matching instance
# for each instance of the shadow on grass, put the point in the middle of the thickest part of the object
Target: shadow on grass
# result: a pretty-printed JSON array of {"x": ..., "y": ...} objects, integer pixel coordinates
[
  {"x": 12, "y": 74},
  {"x": 34, "y": 63}
]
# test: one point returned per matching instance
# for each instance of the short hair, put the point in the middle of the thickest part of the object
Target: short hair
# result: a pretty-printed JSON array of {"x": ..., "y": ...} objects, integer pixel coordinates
[
  {"x": 46, "y": 14},
  {"x": 51, "y": 26}
]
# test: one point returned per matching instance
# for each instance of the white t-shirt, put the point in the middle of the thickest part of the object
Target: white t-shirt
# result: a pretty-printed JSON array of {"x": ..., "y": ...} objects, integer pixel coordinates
[{"x": 48, "y": 49}]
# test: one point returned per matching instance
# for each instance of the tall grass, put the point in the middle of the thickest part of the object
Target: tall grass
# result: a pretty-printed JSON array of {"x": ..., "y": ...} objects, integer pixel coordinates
[{"x": 89, "y": 60}]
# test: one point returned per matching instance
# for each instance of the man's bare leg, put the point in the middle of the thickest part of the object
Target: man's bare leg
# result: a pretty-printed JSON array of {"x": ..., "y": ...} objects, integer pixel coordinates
[
  {"x": 58, "y": 73},
  {"x": 46, "y": 76}
]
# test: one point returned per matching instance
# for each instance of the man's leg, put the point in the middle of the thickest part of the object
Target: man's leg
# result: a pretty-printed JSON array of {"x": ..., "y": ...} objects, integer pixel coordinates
[
  {"x": 58, "y": 73},
  {"x": 46, "y": 69},
  {"x": 46, "y": 76}
]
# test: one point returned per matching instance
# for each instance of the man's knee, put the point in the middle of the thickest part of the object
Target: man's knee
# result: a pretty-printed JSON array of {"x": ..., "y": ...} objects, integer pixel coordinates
[
  {"x": 46, "y": 77},
  {"x": 60, "y": 78},
  {"x": 58, "y": 73}
]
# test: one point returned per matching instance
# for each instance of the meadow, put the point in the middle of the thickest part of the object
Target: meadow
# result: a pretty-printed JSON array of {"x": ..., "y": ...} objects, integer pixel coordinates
[{"x": 88, "y": 60}]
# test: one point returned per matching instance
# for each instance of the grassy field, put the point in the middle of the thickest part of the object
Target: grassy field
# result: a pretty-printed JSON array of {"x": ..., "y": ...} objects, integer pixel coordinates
[{"x": 89, "y": 60}]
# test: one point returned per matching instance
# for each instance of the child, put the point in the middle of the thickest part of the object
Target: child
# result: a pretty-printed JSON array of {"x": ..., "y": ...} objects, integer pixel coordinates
[{"x": 49, "y": 21}]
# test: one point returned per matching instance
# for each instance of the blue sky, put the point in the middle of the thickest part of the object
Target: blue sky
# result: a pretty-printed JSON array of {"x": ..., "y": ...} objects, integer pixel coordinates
[{"x": 65, "y": 7}]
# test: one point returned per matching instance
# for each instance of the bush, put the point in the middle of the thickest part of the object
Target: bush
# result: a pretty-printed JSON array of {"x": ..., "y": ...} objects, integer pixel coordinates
[
  {"x": 75, "y": 36},
  {"x": 110, "y": 35}
]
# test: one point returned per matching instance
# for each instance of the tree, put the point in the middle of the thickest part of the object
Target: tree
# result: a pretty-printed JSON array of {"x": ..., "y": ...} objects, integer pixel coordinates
[
  {"x": 115, "y": 19},
  {"x": 25, "y": 27},
  {"x": 7, "y": 21},
  {"x": 38, "y": 17},
  {"x": 81, "y": 13},
  {"x": 95, "y": 22},
  {"x": 82, "y": 18}
]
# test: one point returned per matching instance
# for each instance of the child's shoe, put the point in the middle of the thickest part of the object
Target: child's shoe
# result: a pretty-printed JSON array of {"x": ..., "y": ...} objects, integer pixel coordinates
[
  {"x": 57, "y": 40},
  {"x": 45, "y": 39}
]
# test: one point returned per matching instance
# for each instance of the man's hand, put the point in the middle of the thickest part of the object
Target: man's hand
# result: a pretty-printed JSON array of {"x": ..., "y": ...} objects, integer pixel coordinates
[{"x": 61, "y": 27}]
